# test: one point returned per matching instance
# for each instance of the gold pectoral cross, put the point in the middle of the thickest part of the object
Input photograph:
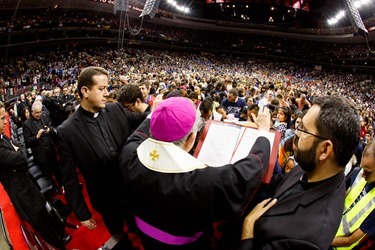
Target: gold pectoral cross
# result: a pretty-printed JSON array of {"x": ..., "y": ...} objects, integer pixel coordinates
[{"x": 154, "y": 155}]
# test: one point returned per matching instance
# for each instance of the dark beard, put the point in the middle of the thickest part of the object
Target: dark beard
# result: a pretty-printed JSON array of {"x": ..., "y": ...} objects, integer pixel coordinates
[{"x": 307, "y": 158}]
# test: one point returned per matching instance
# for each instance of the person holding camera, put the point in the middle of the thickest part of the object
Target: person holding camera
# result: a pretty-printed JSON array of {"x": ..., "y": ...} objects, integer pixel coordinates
[
  {"x": 39, "y": 137},
  {"x": 27, "y": 200}
]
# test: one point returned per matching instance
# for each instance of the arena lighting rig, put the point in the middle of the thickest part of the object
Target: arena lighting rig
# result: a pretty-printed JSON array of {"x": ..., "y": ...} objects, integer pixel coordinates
[
  {"x": 355, "y": 17},
  {"x": 353, "y": 7},
  {"x": 149, "y": 9}
]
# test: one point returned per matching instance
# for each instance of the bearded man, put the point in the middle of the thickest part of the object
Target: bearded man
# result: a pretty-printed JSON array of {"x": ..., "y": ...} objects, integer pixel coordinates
[{"x": 310, "y": 198}]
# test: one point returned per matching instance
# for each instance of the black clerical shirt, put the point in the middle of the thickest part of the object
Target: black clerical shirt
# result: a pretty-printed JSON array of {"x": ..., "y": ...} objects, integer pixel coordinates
[
  {"x": 44, "y": 138},
  {"x": 299, "y": 187},
  {"x": 98, "y": 127}
]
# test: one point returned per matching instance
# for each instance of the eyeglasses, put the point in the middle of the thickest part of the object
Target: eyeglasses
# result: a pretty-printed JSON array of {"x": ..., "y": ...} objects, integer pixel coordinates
[
  {"x": 128, "y": 106},
  {"x": 299, "y": 129}
]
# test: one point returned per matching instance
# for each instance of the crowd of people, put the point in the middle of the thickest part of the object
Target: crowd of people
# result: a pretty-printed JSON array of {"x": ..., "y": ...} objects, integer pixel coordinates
[
  {"x": 78, "y": 108},
  {"x": 60, "y": 23},
  {"x": 130, "y": 121},
  {"x": 125, "y": 179},
  {"x": 71, "y": 100},
  {"x": 45, "y": 70}
]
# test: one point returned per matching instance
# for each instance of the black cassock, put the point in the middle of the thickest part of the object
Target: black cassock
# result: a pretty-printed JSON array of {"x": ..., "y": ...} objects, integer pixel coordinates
[{"x": 27, "y": 200}]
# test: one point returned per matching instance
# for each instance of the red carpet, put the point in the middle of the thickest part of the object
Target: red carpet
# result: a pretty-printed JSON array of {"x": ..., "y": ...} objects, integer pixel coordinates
[
  {"x": 11, "y": 221},
  {"x": 82, "y": 238}
]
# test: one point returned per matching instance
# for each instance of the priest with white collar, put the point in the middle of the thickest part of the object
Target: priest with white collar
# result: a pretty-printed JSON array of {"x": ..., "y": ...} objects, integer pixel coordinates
[{"x": 175, "y": 198}]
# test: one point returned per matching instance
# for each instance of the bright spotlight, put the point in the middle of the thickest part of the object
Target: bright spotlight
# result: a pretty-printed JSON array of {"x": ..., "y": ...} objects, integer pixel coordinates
[
  {"x": 341, "y": 14},
  {"x": 178, "y": 7}
]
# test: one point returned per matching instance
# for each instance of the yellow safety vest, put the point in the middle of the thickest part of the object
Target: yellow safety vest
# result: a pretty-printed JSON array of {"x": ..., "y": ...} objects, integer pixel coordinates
[{"x": 353, "y": 219}]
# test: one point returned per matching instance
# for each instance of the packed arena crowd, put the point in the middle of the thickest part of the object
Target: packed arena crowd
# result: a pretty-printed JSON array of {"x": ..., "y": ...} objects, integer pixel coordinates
[
  {"x": 58, "y": 23},
  {"x": 101, "y": 110},
  {"x": 46, "y": 70}
]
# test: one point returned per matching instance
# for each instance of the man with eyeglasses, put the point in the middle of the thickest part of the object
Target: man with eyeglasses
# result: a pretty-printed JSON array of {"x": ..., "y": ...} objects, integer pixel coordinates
[
  {"x": 309, "y": 200},
  {"x": 132, "y": 99},
  {"x": 39, "y": 137}
]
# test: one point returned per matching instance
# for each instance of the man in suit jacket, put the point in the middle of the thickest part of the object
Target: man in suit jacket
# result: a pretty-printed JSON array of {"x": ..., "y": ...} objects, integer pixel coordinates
[
  {"x": 310, "y": 198},
  {"x": 38, "y": 135},
  {"x": 25, "y": 196},
  {"x": 21, "y": 104},
  {"x": 91, "y": 140}
]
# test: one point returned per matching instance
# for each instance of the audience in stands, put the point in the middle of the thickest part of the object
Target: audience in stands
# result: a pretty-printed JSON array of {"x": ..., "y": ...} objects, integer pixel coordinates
[{"x": 282, "y": 86}]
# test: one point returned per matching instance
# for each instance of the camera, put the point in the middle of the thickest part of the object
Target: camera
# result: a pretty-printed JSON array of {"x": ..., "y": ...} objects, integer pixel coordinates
[{"x": 45, "y": 130}]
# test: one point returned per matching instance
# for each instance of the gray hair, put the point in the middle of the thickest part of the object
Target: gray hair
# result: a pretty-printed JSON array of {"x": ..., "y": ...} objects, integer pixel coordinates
[
  {"x": 39, "y": 98},
  {"x": 194, "y": 129},
  {"x": 36, "y": 105}
]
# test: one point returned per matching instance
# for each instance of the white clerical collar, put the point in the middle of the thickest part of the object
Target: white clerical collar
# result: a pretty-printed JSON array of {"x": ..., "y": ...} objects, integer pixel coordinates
[
  {"x": 89, "y": 114},
  {"x": 165, "y": 157}
]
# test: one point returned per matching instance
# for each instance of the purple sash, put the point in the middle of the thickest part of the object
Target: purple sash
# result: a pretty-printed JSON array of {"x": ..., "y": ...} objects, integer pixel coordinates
[{"x": 164, "y": 237}]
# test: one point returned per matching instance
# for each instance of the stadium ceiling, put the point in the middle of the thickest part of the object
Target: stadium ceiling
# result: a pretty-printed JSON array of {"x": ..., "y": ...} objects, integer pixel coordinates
[
  {"x": 288, "y": 13},
  {"x": 303, "y": 13}
]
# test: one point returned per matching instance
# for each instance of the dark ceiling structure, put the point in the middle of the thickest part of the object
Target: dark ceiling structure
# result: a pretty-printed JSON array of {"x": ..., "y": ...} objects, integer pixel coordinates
[
  {"x": 281, "y": 13},
  {"x": 297, "y": 13}
]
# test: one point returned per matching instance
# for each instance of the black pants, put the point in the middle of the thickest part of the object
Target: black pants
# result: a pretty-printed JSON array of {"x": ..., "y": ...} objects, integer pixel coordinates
[
  {"x": 49, "y": 227},
  {"x": 50, "y": 166},
  {"x": 114, "y": 220}
]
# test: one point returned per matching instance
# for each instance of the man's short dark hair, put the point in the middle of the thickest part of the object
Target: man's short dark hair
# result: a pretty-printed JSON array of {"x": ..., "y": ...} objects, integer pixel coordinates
[
  {"x": 338, "y": 121},
  {"x": 129, "y": 94},
  {"x": 253, "y": 107},
  {"x": 85, "y": 77},
  {"x": 144, "y": 83},
  {"x": 275, "y": 102},
  {"x": 112, "y": 94},
  {"x": 193, "y": 95},
  {"x": 369, "y": 150},
  {"x": 174, "y": 93},
  {"x": 172, "y": 87},
  {"x": 206, "y": 106},
  {"x": 234, "y": 92}
]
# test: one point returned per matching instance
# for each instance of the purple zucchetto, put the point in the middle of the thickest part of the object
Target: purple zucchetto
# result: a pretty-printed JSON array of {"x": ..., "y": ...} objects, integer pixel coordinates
[{"x": 172, "y": 119}]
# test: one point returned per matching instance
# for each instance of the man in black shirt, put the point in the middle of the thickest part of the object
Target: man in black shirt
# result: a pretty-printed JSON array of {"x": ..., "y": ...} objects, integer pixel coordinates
[
  {"x": 310, "y": 198},
  {"x": 38, "y": 135},
  {"x": 27, "y": 200},
  {"x": 91, "y": 140}
]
